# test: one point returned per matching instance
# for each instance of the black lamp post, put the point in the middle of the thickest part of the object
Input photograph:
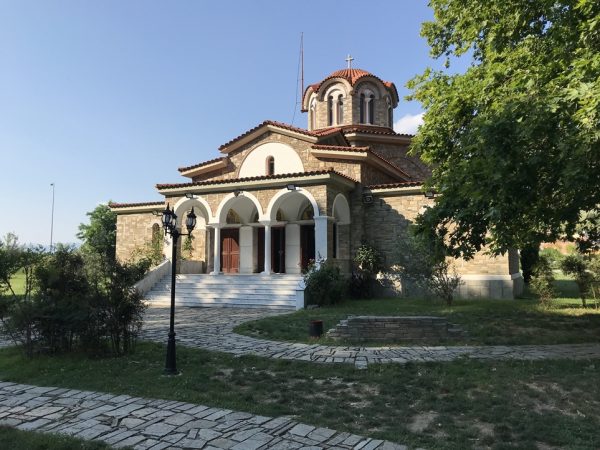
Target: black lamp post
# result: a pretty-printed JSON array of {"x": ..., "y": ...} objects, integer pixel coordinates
[{"x": 169, "y": 221}]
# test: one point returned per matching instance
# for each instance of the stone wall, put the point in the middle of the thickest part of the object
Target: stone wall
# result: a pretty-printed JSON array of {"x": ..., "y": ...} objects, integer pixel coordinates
[
  {"x": 387, "y": 219},
  {"x": 134, "y": 232},
  {"x": 394, "y": 329}
]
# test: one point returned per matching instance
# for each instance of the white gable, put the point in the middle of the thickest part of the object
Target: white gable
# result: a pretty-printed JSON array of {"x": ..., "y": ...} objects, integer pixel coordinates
[{"x": 256, "y": 162}]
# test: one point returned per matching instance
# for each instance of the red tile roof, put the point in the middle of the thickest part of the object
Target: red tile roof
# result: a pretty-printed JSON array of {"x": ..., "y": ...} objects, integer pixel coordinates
[
  {"x": 262, "y": 177},
  {"x": 353, "y": 76},
  {"x": 284, "y": 126},
  {"x": 205, "y": 163},
  {"x": 341, "y": 148},
  {"x": 396, "y": 185},
  {"x": 129, "y": 205}
]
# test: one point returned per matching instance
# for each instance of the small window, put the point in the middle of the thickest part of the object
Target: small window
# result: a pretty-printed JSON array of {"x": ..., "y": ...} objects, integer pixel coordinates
[
  {"x": 329, "y": 110},
  {"x": 371, "y": 108},
  {"x": 308, "y": 213},
  {"x": 232, "y": 217},
  {"x": 362, "y": 108},
  {"x": 270, "y": 166},
  {"x": 340, "y": 110}
]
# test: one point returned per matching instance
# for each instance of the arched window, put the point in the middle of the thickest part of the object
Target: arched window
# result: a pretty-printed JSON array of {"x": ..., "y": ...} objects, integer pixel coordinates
[
  {"x": 371, "y": 108},
  {"x": 330, "y": 110},
  {"x": 389, "y": 112},
  {"x": 232, "y": 217},
  {"x": 362, "y": 108},
  {"x": 270, "y": 170},
  {"x": 340, "y": 110}
]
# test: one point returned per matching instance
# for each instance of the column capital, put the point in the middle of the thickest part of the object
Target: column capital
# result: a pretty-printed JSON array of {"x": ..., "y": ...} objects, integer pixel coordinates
[
  {"x": 267, "y": 222},
  {"x": 322, "y": 218}
]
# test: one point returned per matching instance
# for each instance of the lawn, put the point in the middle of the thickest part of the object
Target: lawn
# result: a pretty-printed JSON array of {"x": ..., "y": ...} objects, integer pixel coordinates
[
  {"x": 487, "y": 322},
  {"x": 461, "y": 404},
  {"x": 17, "y": 283},
  {"x": 29, "y": 440}
]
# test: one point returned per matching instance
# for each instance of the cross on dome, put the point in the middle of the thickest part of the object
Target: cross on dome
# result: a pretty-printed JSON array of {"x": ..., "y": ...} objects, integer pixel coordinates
[{"x": 349, "y": 60}]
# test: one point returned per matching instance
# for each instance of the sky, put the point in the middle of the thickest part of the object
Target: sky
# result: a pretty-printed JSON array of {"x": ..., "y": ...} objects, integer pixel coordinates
[{"x": 106, "y": 99}]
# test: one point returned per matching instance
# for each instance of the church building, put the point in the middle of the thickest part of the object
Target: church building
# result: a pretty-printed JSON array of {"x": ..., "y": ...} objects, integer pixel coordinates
[{"x": 279, "y": 196}]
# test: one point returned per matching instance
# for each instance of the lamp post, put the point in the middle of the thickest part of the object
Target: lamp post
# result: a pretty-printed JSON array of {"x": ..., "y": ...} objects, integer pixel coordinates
[{"x": 169, "y": 221}]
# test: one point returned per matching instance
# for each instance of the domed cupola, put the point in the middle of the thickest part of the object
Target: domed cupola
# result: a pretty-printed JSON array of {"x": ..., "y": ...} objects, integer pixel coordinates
[{"x": 350, "y": 97}]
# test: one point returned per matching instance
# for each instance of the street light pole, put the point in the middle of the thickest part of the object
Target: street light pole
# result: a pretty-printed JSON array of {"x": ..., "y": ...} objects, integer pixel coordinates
[
  {"x": 52, "y": 218},
  {"x": 169, "y": 220},
  {"x": 171, "y": 363}
]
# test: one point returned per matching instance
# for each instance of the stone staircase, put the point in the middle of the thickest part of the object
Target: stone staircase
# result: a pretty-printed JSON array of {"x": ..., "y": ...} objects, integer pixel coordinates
[{"x": 243, "y": 291}]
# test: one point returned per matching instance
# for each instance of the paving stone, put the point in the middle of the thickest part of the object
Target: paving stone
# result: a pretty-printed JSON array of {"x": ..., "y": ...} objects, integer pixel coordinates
[
  {"x": 301, "y": 430},
  {"x": 28, "y": 426}
]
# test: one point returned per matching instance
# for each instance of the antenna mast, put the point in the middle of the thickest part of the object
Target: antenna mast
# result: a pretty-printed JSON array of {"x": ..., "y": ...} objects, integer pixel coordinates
[{"x": 302, "y": 62}]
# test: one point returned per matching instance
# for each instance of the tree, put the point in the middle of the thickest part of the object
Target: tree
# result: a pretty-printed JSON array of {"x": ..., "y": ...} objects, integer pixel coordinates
[
  {"x": 514, "y": 142},
  {"x": 100, "y": 235},
  {"x": 588, "y": 232}
]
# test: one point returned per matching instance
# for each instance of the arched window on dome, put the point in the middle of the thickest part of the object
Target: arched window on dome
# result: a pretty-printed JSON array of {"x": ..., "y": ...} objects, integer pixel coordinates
[
  {"x": 330, "y": 110},
  {"x": 313, "y": 114},
  {"x": 270, "y": 166},
  {"x": 340, "y": 109},
  {"x": 389, "y": 112},
  {"x": 371, "y": 109},
  {"x": 362, "y": 108}
]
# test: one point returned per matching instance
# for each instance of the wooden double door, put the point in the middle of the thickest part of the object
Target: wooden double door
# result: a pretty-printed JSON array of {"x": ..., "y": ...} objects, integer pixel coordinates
[{"x": 230, "y": 250}]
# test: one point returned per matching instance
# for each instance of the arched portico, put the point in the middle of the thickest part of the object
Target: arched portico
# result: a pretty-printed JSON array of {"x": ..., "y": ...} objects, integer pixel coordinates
[{"x": 235, "y": 234}]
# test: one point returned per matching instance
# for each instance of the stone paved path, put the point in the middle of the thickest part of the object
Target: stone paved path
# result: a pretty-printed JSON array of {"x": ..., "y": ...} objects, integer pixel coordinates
[
  {"x": 157, "y": 424},
  {"x": 212, "y": 329}
]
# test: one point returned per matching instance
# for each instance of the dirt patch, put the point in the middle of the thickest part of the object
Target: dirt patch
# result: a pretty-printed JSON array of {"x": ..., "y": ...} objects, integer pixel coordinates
[{"x": 422, "y": 421}]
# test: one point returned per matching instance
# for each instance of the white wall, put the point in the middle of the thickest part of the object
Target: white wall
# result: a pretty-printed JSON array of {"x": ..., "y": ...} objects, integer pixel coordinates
[{"x": 286, "y": 160}]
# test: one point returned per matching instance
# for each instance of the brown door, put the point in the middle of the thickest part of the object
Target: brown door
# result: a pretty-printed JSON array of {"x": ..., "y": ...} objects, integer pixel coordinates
[
  {"x": 230, "y": 250},
  {"x": 278, "y": 249},
  {"x": 307, "y": 244}
]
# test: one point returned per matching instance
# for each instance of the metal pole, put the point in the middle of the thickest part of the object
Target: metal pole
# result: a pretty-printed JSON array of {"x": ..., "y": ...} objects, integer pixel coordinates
[
  {"x": 52, "y": 218},
  {"x": 171, "y": 364}
]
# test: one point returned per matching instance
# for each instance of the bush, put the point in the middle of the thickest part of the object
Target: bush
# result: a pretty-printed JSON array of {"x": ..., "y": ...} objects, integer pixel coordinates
[
  {"x": 423, "y": 262},
  {"x": 367, "y": 264},
  {"x": 577, "y": 266},
  {"x": 554, "y": 257},
  {"x": 79, "y": 303},
  {"x": 542, "y": 280},
  {"x": 325, "y": 284}
]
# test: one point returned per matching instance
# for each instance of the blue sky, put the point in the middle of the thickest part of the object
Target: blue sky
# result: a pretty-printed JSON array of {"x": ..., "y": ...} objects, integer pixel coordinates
[{"x": 108, "y": 98}]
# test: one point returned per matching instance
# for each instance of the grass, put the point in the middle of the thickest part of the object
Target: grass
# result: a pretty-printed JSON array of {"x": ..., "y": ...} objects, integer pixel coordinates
[
  {"x": 463, "y": 404},
  {"x": 30, "y": 440},
  {"x": 487, "y": 322},
  {"x": 18, "y": 284}
]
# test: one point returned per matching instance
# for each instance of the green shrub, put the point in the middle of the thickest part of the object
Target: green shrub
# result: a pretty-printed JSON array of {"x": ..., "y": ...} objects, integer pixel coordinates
[
  {"x": 577, "y": 266},
  {"x": 80, "y": 302},
  {"x": 542, "y": 280},
  {"x": 367, "y": 264},
  {"x": 554, "y": 257},
  {"x": 324, "y": 283}
]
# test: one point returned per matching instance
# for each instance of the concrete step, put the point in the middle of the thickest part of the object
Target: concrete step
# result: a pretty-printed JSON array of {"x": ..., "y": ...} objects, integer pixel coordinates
[{"x": 248, "y": 291}]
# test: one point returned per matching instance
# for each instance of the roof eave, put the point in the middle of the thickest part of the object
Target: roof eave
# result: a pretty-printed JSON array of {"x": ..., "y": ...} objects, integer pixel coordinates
[{"x": 259, "y": 184}]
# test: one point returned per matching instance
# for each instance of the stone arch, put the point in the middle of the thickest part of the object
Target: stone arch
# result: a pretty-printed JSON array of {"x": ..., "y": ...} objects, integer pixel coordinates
[
  {"x": 341, "y": 210},
  {"x": 280, "y": 197},
  {"x": 200, "y": 206},
  {"x": 230, "y": 200},
  {"x": 335, "y": 83}
]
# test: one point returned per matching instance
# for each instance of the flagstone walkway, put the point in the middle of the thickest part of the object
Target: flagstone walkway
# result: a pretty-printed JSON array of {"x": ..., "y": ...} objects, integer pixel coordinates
[
  {"x": 157, "y": 424},
  {"x": 212, "y": 329}
]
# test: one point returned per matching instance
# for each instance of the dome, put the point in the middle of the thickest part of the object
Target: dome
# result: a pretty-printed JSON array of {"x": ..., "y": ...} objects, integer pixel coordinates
[{"x": 352, "y": 76}]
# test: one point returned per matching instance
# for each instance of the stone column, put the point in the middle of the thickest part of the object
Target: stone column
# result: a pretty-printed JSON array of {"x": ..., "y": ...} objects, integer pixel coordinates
[
  {"x": 246, "y": 247},
  {"x": 267, "y": 270},
  {"x": 217, "y": 250},
  {"x": 321, "y": 238},
  {"x": 292, "y": 248}
]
